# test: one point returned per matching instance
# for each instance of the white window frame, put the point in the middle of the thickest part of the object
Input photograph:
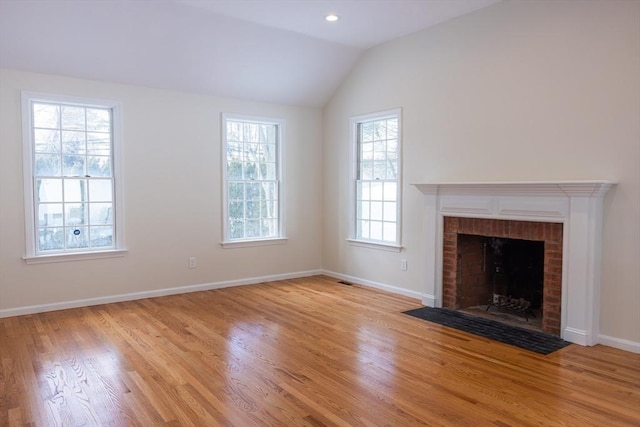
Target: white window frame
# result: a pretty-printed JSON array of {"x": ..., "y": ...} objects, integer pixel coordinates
[
  {"x": 353, "y": 239},
  {"x": 280, "y": 158},
  {"x": 32, "y": 256}
]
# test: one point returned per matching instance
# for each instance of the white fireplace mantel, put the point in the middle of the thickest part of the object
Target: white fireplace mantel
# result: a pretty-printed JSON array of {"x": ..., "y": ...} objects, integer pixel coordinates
[{"x": 576, "y": 204}]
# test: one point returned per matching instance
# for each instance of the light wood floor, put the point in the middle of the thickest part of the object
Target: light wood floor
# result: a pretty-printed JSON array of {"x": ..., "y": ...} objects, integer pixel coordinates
[{"x": 295, "y": 352}]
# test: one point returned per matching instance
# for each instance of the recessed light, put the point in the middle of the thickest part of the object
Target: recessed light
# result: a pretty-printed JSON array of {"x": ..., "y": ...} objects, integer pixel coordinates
[{"x": 332, "y": 17}]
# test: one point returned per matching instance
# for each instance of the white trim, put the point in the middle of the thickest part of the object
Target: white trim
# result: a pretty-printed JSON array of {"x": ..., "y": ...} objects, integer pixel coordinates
[
  {"x": 377, "y": 285},
  {"x": 117, "y": 158},
  {"x": 78, "y": 256},
  {"x": 353, "y": 159},
  {"x": 250, "y": 243},
  {"x": 19, "y": 311},
  {"x": 576, "y": 204},
  {"x": 281, "y": 135},
  {"x": 375, "y": 245},
  {"x": 619, "y": 343}
]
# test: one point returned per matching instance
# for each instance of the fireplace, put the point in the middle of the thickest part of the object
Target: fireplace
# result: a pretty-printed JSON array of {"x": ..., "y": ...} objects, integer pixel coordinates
[
  {"x": 566, "y": 216},
  {"x": 484, "y": 259}
]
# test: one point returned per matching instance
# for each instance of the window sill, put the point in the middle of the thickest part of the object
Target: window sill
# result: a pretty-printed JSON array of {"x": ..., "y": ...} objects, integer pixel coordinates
[
  {"x": 76, "y": 256},
  {"x": 249, "y": 243},
  {"x": 375, "y": 245}
]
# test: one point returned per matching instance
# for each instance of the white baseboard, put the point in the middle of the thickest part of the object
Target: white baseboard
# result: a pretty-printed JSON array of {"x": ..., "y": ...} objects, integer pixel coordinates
[
  {"x": 19, "y": 311},
  {"x": 633, "y": 347},
  {"x": 575, "y": 336},
  {"x": 377, "y": 285}
]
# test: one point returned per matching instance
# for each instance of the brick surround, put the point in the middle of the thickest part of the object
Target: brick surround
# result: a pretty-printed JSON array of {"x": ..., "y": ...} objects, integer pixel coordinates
[{"x": 549, "y": 233}]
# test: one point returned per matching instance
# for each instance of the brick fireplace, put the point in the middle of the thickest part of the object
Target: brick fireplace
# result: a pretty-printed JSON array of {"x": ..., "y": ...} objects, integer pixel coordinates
[
  {"x": 457, "y": 263},
  {"x": 565, "y": 215}
]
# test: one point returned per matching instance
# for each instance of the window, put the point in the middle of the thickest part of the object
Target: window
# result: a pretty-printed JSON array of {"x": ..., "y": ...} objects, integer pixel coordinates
[
  {"x": 252, "y": 205},
  {"x": 376, "y": 188},
  {"x": 70, "y": 177}
]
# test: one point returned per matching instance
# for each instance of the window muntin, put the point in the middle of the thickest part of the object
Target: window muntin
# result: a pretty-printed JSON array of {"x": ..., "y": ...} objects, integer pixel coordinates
[
  {"x": 252, "y": 149},
  {"x": 69, "y": 175},
  {"x": 377, "y": 178}
]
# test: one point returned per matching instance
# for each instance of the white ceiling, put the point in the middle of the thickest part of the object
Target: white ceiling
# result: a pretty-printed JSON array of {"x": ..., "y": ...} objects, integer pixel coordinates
[{"x": 278, "y": 51}]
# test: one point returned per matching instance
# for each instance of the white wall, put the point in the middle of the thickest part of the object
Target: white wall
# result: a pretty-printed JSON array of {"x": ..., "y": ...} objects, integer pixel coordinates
[
  {"x": 172, "y": 196},
  {"x": 521, "y": 90}
]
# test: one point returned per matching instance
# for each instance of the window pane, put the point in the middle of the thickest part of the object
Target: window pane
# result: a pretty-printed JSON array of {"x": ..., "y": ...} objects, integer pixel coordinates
[
  {"x": 98, "y": 119},
  {"x": 236, "y": 191},
  {"x": 77, "y": 237},
  {"x": 101, "y": 213},
  {"x": 50, "y": 214},
  {"x": 392, "y": 146},
  {"x": 46, "y": 141},
  {"x": 46, "y": 116},
  {"x": 234, "y": 170},
  {"x": 270, "y": 172},
  {"x": 76, "y": 214},
  {"x": 251, "y": 171},
  {"x": 73, "y": 166},
  {"x": 380, "y": 130},
  {"x": 75, "y": 190},
  {"x": 234, "y": 131},
  {"x": 366, "y": 170},
  {"x": 252, "y": 132},
  {"x": 376, "y": 191},
  {"x": 100, "y": 190},
  {"x": 236, "y": 210},
  {"x": 269, "y": 228},
  {"x": 389, "y": 231},
  {"x": 379, "y": 150},
  {"x": 376, "y": 211},
  {"x": 251, "y": 152},
  {"x": 47, "y": 165},
  {"x": 73, "y": 118},
  {"x": 269, "y": 153},
  {"x": 380, "y": 170},
  {"x": 253, "y": 209},
  {"x": 389, "y": 189},
  {"x": 50, "y": 239},
  {"x": 236, "y": 229},
  {"x": 99, "y": 166},
  {"x": 254, "y": 191},
  {"x": 252, "y": 228},
  {"x": 74, "y": 142},
  {"x": 99, "y": 143},
  {"x": 392, "y": 129},
  {"x": 101, "y": 237},
  {"x": 364, "y": 210},
  {"x": 366, "y": 132},
  {"x": 389, "y": 211},
  {"x": 375, "y": 230},
  {"x": 366, "y": 151},
  {"x": 49, "y": 190}
]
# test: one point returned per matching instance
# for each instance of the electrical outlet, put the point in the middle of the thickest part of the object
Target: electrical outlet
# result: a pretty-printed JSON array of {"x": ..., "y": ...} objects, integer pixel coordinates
[
  {"x": 403, "y": 264},
  {"x": 193, "y": 263}
]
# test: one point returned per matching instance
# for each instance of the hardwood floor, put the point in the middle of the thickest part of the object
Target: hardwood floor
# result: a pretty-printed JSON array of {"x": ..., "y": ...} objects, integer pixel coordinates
[{"x": 303, "y": 352}]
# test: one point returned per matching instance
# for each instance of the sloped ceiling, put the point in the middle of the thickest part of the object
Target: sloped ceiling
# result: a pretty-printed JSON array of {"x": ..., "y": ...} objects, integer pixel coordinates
[{"x": 279, "y": 51}]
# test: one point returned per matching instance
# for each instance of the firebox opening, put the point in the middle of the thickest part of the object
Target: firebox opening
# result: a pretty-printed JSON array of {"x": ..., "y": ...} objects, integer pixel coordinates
[{"x": 502, "y": 278}]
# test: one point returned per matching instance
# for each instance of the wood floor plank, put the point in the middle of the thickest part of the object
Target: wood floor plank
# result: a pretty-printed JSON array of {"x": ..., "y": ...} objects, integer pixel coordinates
[{"x": 303, "y": 352}]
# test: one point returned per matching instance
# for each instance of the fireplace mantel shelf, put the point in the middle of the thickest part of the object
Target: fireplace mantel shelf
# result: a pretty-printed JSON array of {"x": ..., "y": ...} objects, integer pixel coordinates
[{"x": 518, "y": 188}]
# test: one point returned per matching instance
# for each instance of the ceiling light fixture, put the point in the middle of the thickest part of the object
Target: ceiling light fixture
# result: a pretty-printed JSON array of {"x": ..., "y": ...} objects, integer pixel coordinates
[{"x": 332, "y": 17}]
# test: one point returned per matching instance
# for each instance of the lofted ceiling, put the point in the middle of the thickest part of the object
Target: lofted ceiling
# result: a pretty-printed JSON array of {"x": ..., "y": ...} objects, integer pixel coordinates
[{"x": 280, "y": 51}]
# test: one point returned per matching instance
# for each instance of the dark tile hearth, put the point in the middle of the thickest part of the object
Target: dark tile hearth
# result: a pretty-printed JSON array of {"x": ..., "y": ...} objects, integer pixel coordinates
[{"x": 538, "y": 342}]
